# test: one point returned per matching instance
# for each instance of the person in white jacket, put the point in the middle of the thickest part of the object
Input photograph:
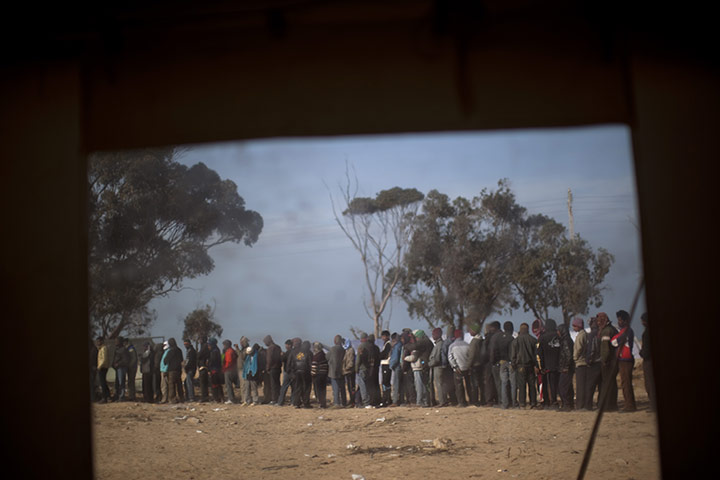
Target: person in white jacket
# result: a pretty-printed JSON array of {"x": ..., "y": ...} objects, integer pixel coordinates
[{"x": 459, "y": 359}]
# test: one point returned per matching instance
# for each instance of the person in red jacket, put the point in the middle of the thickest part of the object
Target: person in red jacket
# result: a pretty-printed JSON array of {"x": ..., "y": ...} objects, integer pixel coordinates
[
  {"x": 624, "y": 342},
  {"x": 229, "y": 369}
]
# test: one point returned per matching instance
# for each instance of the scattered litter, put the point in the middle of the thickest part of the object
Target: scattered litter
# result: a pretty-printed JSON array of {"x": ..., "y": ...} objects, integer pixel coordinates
[
  {"x": 428, "y": 413},
  {"x": 442, "y": 443},
  {"x": 331, "y": 455},
  {"x": 395, "y": 455},
  {"x": 307, "y": 454},
  {"x": 194, "y": 420},
  {"x": 192, "y": 409},
  {"x": 309, "y": 424},
  {"x": 320, "y": 417},
  {"x": 184, "y": 417},
  {"x": 355, "y": 476},
  {"x": 501, "y": 470},
  {"x": 437, "y": 411},
  {"x": 381, "y": 419},
  {"x": 426, "y": 441},
  {"x": 219, "y": 409},
  {"x": 198, "y": 431},
  {"x": 350, "y": 446}
]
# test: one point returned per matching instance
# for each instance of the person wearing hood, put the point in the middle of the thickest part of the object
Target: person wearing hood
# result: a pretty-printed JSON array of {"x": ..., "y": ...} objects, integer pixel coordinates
[
  {"x": 273, "y": 367},
  {"x": 159, "y": 389},
  {"x": 319, "y": 372},
  {"x": 566, "y": 367},
  {"x": 523, "y": 355},
  {"x": 373, "y": 380},
  {"x": 146, "y": 369},
  {"x": 173, "y": 361},
  {"x": 301, "y": 358},
  {"x": 459, "y": 358},
  {"x": 190, "y": 369},
  {"x": 251, "y": 371},
  {"x": 508, "y": 385},
  {"x": 348, "y": 370},
  {"x": 538, "y": 328},
  {"x": 608, "y": 361},
  {"x": 549, "y": 361},
  {"x": 335, "y": 357}
]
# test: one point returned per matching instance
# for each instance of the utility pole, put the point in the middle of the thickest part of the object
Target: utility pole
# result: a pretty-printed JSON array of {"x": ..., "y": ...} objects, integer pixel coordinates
[{"x": 570, "y": 215}]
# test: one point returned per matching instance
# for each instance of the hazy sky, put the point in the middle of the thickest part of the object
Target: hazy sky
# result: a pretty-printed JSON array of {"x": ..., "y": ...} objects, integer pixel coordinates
[{"x": 303, "y": 278}]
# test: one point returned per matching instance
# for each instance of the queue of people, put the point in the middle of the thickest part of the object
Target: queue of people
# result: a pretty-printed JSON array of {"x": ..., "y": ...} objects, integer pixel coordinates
[{"x": 540, "y": 366}]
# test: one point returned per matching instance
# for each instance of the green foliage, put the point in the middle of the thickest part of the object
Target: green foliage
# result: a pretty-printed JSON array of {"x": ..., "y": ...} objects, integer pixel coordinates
[
  {"x": 384, "y": 201},
  {"x": 470, "y": 259},
  {"x": 151, "y": 224},
  {"x": 200, "y": 324}
]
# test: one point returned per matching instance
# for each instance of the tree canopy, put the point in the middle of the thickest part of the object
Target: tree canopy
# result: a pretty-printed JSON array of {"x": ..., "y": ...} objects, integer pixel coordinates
[
  {"x": 152, "y": 221},
  {"x": 469, "y": 259},
  {"x": 200, "y": 323}
]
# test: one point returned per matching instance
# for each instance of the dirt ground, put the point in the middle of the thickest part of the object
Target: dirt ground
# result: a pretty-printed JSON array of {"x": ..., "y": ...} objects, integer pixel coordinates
[{"x": 210, "y": 440}]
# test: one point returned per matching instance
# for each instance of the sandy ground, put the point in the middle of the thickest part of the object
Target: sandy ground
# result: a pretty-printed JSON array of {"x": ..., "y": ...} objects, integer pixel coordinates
[{"x": 209, "y": 440}]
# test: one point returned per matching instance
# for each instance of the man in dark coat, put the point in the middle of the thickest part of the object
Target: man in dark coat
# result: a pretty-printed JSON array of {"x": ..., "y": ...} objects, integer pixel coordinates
[
  {"x": 385, "y": 372},
  {"x": 373, "y": 381},
  {"x": 121, "y": 361},
  {"x": 146, "y": 369},
  {"x": 157, "y": 374},
  {"x": 203, "y": 357},
  {"x": 301, "y": 358},
  {"x": 608, "y": 361},
  {"x": 190, "y": 369},
  {"x": 132, "y": 368},
  {"x": 549, "y": 361},
  {"x": 566, "y": 367},
  {"x": 523, "y": 354},
  {"x": 645, "y": 354},
  {"x": 287, "y": 375},
  {"x": 335, "y": 357},
  {"x": 273, "y": 367},
  {"x": 173, "y": 360}
]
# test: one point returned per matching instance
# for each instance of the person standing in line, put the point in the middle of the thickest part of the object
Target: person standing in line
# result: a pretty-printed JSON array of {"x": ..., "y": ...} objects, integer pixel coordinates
[
  {"x": 523, "y": 354},
  {"x": 132, "y": 369},
  {"x": 146, "y": 370},
  {"x": 349, "y": 371},
  {"x": 173, "y": 360},
  {"x": 190, "y": 369},
  {"x": 103, "y": 364},
  {"x": 477, "y": 365},
  {"x": 159, "y": 381},
  {"x": 538, "y": 329},
  {"x": 492, "y": 390},
  {"x": 217, "y": 379},
  {"x": 437, "y": 396},
  {"x": 273, "y": 367},
  {"x": 335, "y": 356},
  {"x": 396, "y": 368},
  {"x": 287, "y": 375},
  {"x": 624, "y": 342},
  {"x": 566, "y": 367},
  {"x": 229, "y": 370},
  {"x": 301, "y": 364},
  {"x": 608, "y": 359},
  {"x": 581, "y": 366},
  {"x": 594, "y": 365},
  {"x": 448, "y": 380},
  {"x": 121, "y": 360},
  {"x": 251, "y": 373},
  {"x": 385, "y": 372},
  {"x": 508, "y": 385},
  {"x": 319, "y": 372},
  {"x": 459, "y": 359},
  {"x": 646, "y": 355},
  {"x": 549, "y": 353},
  {"x": 363, "y": 369},
  {"x": 374, "y": 372},
  {"x": 203, "y": 357}
]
